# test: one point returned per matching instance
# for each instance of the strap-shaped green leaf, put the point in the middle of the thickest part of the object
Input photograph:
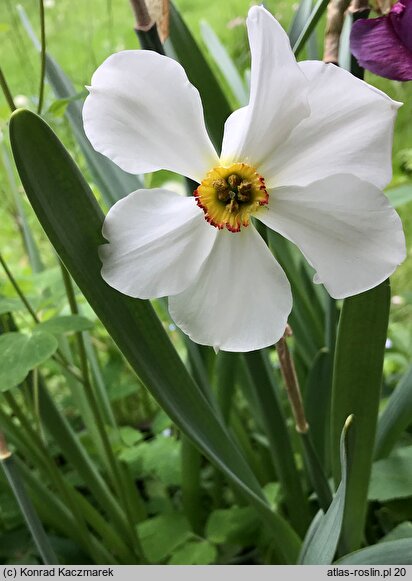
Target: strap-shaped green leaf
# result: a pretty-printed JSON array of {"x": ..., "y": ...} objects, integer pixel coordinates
[
  {"x": 225, "y": 63},
  {"x": 323, "y": 535},
  {"x": 72, "y": 220},
  {"x": 396, "y": 416},
  {"x": 390, "y": 553},
  {"x": 299, "y": 20},
  {"x": 187, "y": 52},
  {"x": 357, "y": 378}
]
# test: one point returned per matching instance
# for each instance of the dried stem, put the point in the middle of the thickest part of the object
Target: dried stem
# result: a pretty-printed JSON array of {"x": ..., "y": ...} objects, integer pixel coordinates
[
  {"x": 334, "y": 24},
  {"x": 4, "y": 450},
  {"x": 291, "y": 381},
  {"x": 143, "y": 19},
  {"x": 363, "y": 5}
]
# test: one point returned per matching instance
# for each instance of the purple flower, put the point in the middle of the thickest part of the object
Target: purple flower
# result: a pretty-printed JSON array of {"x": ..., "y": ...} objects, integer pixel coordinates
[{"x": 384, "y": 45}]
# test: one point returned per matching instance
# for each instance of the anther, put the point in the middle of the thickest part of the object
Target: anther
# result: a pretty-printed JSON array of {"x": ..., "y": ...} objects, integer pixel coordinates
[
  {"x": 222, "y": 189},
  {"x": 220, "y": 185},
  {"x": 233, "y": 180},
  {"x": 244, "y": 191}
]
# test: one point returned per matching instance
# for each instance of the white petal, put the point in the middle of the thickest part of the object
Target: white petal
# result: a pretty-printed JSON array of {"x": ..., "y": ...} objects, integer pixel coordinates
[
  {"x": 158, "y": 243},
  {"x": 346, "y": 229},
  {"x": 144, "y": 115},
  {"x": 278, "y": 91},
  {"x": 241, "y": 299},
  {"x": 349, "y": 130}
]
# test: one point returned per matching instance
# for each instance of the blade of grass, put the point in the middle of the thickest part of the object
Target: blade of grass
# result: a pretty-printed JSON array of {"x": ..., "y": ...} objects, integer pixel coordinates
[
  {"x": 225, "y": 64},
  {"x": 311, "y": 23},
  {"x": 299, "y": 20}
]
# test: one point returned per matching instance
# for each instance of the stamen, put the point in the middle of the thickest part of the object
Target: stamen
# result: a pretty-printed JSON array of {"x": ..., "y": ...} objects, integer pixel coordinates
[{"x": 230, "y": 195}]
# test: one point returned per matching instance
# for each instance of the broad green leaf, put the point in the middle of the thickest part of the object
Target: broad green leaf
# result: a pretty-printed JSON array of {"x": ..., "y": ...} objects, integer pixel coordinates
[
  {"x": 396, "y": 416},
  {"x": 187, "y": 52},
  {"x": 161, "y": 535},
  {"x": 112, "y": 182},
  {"x": 194, "y": 553},
  {"x": 129, "y": 435},
  {"x": 392, "y": 477},
  {"x": 225, "y": 63},
  {"x": 235, "y": 525},
  {"x": 323, "y": 535},
  {"x": 400, "y": 195},
  {"x": 20, "y": 353},
  {"x": 357, "y": 378},
  {"x": 161, "y": 456},
  {"x": 72, "y": 220},
  {"x": 65, "y": 324},
  {"x": 390, "y": 553}
]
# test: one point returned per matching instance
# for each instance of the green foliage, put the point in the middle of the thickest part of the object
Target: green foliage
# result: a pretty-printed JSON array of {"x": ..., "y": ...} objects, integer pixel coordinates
[
  {"x": 235, "y": 525},
  {"x": 20, "y": 353},
  {"x": 161, "y": 535},
  {"x": 194, "y": 553},
  {"x": 392, "y": 477},
  {"x": 66, "y": 324}
]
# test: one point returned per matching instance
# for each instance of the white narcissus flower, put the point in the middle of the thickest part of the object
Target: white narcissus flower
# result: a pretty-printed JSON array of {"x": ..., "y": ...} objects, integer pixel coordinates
[{"x": 307, "y": 156}]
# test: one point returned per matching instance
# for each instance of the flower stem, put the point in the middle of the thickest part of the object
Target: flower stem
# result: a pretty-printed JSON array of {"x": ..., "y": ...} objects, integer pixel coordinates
[
  {"x": 291, "y": 381},
  {"x": 6, "y": 91},
  {"x": 334, "y": 24},
  {"x": 4, "y": 450},
  {"x": 146, "y": 27},
  {"x": 141, "y": 14},
  {"x": 42, "y": 57},
  {"x": 18, "y": 289}
]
